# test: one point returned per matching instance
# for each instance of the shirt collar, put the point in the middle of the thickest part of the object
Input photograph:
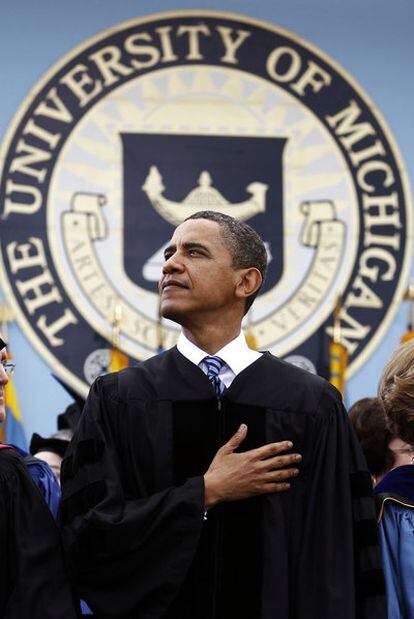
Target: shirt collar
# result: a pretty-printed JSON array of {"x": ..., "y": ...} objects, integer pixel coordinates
[{"x": 236, "y": 354}]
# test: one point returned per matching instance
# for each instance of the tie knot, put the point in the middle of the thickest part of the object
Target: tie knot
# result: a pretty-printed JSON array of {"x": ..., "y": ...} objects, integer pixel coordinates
[{"x": 214, "y": 365}]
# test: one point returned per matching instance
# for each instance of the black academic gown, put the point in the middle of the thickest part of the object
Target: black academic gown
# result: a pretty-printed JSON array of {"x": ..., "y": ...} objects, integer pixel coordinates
[
  {"x": 33, "y": 581},
  {"x": 132, "y": 510}
]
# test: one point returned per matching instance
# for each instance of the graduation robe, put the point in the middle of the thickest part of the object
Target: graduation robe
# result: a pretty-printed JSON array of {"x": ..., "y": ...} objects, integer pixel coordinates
[
  {"x": 133, "y": 500},
  {"x": 33, "y": 581}
]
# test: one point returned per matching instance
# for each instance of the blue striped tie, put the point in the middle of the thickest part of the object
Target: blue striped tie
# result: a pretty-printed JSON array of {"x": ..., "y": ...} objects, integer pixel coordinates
[{"x": 214, "y": 365}]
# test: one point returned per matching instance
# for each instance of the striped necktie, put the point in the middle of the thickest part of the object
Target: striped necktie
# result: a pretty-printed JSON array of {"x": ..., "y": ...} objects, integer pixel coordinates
[{"x": 214, "y": 365}]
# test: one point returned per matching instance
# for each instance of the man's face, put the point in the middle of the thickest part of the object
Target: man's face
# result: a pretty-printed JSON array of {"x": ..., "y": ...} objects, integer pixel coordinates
[
  {"x": 53, "y": 460},
  {"x": 3, "y": 382},
  {"x": 198, "y": 278}
]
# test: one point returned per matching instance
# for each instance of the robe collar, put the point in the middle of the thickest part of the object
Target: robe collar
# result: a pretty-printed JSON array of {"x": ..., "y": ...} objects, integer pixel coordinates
[
  {"x": 398, "y": 481},
  {"x": 397, "y": 486},
  {"x": 256, "y": 385},
  {"x": 236, "y": 354}
]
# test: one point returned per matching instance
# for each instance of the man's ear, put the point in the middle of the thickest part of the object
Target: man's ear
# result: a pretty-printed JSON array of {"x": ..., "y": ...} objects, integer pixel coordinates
[{"x": 249, "y": 282}]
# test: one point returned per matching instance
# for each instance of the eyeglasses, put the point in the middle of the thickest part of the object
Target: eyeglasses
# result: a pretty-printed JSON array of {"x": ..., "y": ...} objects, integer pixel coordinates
[
  {"x": 8, "y": 367},
  {"x": 404, "y": 450}
]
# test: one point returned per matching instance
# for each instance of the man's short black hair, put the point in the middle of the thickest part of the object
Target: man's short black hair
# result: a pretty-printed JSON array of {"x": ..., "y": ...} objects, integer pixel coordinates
[{"x": 245, "y": 245}]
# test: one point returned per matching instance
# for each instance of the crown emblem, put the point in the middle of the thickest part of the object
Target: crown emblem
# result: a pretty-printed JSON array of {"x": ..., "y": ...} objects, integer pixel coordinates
[{"x": 203, "y": 197}]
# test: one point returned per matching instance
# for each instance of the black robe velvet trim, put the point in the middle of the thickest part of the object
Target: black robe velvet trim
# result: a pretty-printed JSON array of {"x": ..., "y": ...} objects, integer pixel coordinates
[
  {"x": 229, "y": 557},
  {"x": 372, "y": 583},
  {"x": 361, "y": 484},
  {"x": 89, "y": 450},
  {"x": 366, "y": 533},
  {"x": 292, "y": 555}
]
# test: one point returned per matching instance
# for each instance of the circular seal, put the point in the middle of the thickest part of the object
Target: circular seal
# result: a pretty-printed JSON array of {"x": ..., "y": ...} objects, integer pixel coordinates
[
  {"x": 161, "y": 117},
  {"x": 301, "y": 362}
]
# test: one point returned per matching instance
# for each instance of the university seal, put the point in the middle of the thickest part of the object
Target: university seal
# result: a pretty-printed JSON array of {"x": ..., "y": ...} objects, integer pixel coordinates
[{"x": 163, "y": 116}]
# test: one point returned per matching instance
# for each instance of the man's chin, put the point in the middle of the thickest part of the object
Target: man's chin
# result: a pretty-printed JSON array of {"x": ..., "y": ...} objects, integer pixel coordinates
[{"x": 170, "y": 311}]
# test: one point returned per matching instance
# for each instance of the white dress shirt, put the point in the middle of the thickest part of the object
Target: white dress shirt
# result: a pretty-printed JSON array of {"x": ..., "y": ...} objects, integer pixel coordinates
[{"x": 236, "y": 355}]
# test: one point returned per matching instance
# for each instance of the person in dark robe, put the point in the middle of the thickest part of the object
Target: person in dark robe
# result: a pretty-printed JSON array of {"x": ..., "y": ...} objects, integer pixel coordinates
[
  {"x": 181, "y": 492},
  {"x": 33, "y": 580}
]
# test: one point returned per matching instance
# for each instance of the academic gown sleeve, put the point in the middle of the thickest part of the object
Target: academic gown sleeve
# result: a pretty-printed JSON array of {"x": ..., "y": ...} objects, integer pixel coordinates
[
  {"x": 33, "y": 582},
  {"x": 128, "y": 552},
  {"x": 397, "y": 537},
  {"x": 339, "y": 570}
]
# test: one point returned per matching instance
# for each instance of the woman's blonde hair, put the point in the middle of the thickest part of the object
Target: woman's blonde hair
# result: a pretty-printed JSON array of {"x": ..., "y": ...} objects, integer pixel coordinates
[{"x": 396, "y": 391}]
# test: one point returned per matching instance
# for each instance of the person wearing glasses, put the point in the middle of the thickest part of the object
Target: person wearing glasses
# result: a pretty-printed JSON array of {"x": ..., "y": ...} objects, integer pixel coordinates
[
  {"x": 33, "y": 581},
  {"x": 395, "y": 491},
  {"x": 6, "y": 369}
]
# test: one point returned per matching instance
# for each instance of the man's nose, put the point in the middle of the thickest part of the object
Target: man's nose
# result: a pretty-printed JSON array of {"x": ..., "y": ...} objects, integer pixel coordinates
[{"x": 172, "y": 264}]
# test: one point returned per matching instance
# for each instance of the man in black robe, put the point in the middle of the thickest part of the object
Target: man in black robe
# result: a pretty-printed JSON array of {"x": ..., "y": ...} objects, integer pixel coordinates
[
  {"x": 33, "y": 581},
  {"x": 180, "y": 494}
]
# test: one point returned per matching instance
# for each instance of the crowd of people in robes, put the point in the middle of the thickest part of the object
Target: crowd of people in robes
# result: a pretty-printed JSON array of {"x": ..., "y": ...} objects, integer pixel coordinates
[
  {"x": 34, "y": 582},
  {"x": 34, "y": 579}
]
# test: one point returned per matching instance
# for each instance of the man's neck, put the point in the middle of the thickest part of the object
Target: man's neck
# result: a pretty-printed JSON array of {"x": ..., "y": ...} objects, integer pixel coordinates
[{"x": 211, "y": 338}]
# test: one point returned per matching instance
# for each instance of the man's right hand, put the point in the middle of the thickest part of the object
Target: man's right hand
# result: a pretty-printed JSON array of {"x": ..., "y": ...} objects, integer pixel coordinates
[{"x": 235, "y": 476}]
